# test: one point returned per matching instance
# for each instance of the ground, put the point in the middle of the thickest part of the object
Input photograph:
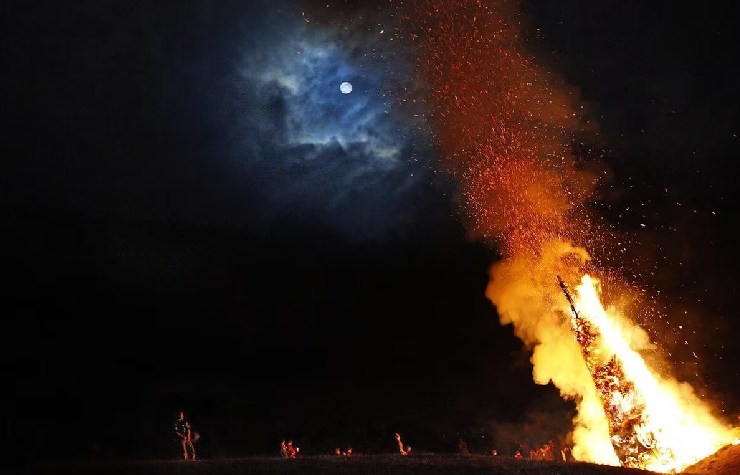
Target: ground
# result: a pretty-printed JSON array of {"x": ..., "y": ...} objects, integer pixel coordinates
[
  {"x": 726, "y": 461},
  {"x": 328, "y": 465}
]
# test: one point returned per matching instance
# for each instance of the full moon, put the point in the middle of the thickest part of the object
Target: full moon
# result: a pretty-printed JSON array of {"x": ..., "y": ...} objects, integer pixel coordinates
[{"x": 345, "y": 87}]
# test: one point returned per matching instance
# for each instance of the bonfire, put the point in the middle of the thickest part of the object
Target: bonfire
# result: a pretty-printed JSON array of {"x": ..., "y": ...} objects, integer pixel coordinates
[{"x": 512, "y": 134}]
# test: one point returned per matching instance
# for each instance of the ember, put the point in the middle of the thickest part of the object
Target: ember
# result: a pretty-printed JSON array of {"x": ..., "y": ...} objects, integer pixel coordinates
[{"x": 546, "y": 452}]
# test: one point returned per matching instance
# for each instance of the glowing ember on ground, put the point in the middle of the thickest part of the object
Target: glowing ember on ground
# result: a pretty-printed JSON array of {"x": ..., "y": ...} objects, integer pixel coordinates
[
  {"x": 403, "y": 450},
  {"x": 507, "y": 129}
]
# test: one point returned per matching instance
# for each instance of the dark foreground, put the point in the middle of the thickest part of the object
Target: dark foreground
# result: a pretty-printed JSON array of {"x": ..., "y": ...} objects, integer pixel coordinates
[{"x": 359, "y": 465}]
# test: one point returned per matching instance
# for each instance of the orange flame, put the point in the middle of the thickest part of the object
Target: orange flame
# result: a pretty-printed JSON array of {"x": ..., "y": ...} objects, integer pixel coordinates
[{"x": 670, "y": 430}]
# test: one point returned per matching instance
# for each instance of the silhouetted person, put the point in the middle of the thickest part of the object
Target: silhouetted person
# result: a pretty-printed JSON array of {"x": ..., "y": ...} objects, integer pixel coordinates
[
  {"x": 462, "y": 447},
  {"x": 283, "y": 449},
  {"x": 185, "y": 435}
]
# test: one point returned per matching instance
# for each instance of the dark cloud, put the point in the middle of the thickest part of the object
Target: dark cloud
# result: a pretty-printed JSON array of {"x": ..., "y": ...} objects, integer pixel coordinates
[{"x": 213, "y": 114}]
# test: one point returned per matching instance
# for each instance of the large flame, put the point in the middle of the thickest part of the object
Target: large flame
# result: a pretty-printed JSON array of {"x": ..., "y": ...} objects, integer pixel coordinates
[
  {"x": 627, "y": 413},
  {"x": 506, "y": 128},
  {"x": 653, "y": 424}
]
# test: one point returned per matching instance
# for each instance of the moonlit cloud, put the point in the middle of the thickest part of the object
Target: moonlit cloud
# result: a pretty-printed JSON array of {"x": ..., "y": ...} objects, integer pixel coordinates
[{"x": 346, "y": 160}]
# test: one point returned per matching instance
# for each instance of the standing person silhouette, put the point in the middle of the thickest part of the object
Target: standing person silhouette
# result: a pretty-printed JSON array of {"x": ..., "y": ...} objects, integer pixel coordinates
[
  {"x": 185, "y": 435},
  {"x": 283, "y": 449}
]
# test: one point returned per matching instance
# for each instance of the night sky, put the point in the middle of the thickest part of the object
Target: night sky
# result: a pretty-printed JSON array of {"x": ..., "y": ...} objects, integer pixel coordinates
[{"x": 195, "y": 216}]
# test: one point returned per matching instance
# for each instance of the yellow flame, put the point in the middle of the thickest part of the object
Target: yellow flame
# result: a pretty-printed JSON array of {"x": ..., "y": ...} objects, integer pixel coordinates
[{"x": 677, "y": 426}]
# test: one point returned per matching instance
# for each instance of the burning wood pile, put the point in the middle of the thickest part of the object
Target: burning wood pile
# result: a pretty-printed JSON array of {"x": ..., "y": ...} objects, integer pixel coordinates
[
  {"x": 623, "y": 405},
  {"x": 648, "y": 426}
]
